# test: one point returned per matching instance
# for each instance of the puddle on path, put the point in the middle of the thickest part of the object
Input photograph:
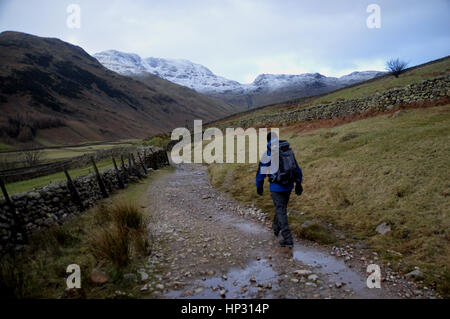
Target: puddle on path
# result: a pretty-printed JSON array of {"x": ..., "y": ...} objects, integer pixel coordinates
[
  {"x": 236, "y": 279},
  {"x": 335, "y": 269},
  {"x": 241, "y": 224}
]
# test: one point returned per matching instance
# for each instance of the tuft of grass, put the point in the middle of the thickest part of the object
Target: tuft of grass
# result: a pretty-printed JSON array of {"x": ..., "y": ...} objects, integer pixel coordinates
[
  {"x": 123, "y": 235},
  {"x": 127, "y": 215},
  {"x": 317, "y": 233},
  {"x": 112, "y": 243}
]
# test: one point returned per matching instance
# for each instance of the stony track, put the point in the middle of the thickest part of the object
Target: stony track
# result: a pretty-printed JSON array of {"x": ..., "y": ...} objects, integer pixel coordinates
[{"x": 209, "y": 246}]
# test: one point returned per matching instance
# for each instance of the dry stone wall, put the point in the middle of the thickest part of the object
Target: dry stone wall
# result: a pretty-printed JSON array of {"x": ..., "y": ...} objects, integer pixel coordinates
[{"x": 428, "y": 90}]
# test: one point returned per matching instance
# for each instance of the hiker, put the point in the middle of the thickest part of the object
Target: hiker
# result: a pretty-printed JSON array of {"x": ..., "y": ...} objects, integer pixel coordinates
[{"x": 281, "y": 185}]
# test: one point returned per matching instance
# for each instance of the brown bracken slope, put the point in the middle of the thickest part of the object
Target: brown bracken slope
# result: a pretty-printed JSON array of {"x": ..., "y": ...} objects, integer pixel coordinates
[{"x": 58, "y": 92}]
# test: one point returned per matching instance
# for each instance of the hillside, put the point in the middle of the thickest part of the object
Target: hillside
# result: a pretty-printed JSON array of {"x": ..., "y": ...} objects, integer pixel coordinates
[
  {"x": 381, "y": 84},
  {"x": 385, "y": 166},
  {"x": 266, "y": 89},
  {"x": 58, "y": 93},
  {"x": 359, "y": 175}
]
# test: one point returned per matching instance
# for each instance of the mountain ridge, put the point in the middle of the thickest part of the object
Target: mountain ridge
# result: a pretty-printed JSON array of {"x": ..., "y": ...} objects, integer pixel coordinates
[
  {"x": 47, "y": 80},
  {"x": 265, "y": 89}
]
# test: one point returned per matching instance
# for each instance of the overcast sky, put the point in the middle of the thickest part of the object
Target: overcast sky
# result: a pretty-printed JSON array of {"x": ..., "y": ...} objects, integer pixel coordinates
[{"x": 239, "y": 39}]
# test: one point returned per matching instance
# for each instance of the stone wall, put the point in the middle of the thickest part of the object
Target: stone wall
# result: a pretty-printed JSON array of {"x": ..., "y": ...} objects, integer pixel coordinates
[
  {"x": 53, "y": 204},
  {"x": 428, "y": 90}
]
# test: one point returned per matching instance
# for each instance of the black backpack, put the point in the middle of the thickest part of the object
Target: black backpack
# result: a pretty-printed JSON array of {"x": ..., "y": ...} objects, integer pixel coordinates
[{"x": 287, "y": 172}]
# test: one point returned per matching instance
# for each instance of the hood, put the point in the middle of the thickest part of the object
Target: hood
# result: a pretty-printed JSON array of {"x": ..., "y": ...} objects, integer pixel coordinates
[{"x": 283, "y": 145}]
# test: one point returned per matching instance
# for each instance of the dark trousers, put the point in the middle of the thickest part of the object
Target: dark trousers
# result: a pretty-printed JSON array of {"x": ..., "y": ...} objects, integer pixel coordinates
[{"x": 280, "y": 221}]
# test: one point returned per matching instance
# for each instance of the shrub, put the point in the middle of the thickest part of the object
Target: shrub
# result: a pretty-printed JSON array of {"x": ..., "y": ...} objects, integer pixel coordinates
[
  {"x": 31, "y": 157},
  {"x": 396, "y": 66}
]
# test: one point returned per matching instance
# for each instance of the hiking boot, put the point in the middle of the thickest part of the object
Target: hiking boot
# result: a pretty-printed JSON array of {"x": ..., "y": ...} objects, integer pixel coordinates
[{"x": 284, "y": 243}]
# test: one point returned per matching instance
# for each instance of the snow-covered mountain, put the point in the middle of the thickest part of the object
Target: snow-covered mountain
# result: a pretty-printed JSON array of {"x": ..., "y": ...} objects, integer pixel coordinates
[
  {"x": 195, "y": 76},
  {"x": 182, "y": 72}
]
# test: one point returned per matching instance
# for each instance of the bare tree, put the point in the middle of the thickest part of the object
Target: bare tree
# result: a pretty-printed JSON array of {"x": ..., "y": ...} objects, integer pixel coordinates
[
  {"x": 396, "y": 66},
  {"x": 32, "y": 157}
]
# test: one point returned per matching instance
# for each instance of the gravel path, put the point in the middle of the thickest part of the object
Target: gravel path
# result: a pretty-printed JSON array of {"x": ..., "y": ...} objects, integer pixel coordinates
[{"x": 208, "y": 246}]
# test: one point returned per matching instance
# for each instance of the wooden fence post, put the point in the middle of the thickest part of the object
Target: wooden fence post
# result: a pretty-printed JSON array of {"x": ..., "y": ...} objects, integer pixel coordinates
[
  {"x": 153, "y": 161},
  {"x": 5, "y": 193},
  {"x": 99, "y": 180},
  {"x": 166, "y": 158},
  {"x": 73, "y": 190},
  {"x": 130, "y": 165},
  {"x": 123, "y": 162},
  {"x": 19, "y": 225},
  {"x": 145, "y": 158},
  {"x": 142, "y": 163},
  {"x": 151, "y": 158},
  {"x": 119, "y": 178},
  {"x": 124, "y": 170},
  {"x": 135, "y": 166}
]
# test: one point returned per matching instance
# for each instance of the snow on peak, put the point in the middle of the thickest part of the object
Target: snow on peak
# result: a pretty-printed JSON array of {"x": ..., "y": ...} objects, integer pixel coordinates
[
  {"x": 182, "y": 72},
  {"x": 187, "y": 73},
  {"x": 277, "y": 81},
  {"x": 201, "y": 79},
  {"x": 356, "y": 76},
  {"x": 121, "y": 62}
]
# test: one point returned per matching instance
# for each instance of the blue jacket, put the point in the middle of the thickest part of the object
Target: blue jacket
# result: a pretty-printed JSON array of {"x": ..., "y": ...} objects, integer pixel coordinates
[{"x": 275, "y": 188}]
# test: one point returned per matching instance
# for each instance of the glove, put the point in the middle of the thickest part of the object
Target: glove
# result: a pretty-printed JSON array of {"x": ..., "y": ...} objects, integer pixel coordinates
[
  {"x": 298, "y": 189},
  {"x": 260, "y": 191}
]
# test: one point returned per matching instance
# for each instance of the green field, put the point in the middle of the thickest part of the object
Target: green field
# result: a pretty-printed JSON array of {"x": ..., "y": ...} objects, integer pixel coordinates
[
  {"x": 35, "y": 183},
  {"x": 62, "y": 153},
  {"x": 57, "y": 154}
]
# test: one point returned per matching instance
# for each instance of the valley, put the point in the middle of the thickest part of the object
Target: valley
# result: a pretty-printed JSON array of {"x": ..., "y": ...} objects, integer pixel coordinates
[
  {"x": 374, "y": 151},
  {"x": 57, "y": 92}
]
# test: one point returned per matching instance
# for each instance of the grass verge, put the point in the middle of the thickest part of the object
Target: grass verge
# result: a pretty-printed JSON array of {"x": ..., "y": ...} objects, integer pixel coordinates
[
  {"x": 391, "y": 169},
  {"x": 111, "y": 238}
]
